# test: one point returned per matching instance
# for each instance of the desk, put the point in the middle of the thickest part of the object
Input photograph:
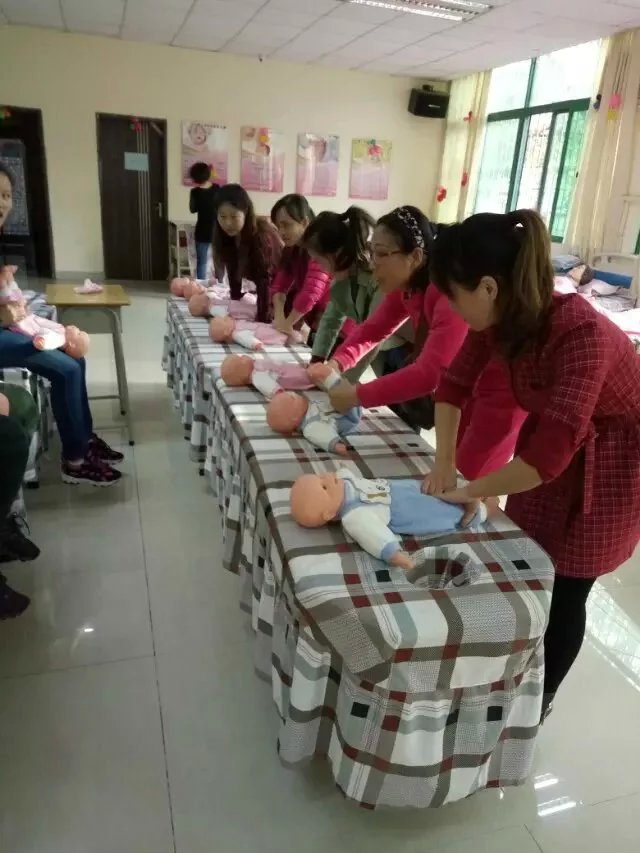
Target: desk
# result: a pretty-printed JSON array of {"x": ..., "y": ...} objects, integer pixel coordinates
[{"x": 98, "y": 314}]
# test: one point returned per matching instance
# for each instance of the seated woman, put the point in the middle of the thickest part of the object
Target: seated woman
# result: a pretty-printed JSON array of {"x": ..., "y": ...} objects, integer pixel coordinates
[
  {"x": 248, "y": 247},
  {"x": 300, "y": 289},
  {"x": 85, "y": 457}
]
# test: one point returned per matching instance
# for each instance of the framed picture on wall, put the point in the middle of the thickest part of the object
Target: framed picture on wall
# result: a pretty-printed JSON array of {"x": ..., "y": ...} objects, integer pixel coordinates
[
  {"x": 205, "y": 143},
  {"x": 370, "y": 167},
  {"x": 317, "y": 164},
  {"x": 261, "y": 159}
]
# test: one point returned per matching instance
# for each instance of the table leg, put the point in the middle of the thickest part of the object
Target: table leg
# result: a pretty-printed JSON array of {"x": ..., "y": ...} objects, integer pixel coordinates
[{"x": 121, "y": 373}]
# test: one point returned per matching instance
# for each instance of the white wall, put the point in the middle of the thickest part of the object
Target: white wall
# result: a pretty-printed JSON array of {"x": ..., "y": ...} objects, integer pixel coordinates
[{"x": 72, "y": 77}]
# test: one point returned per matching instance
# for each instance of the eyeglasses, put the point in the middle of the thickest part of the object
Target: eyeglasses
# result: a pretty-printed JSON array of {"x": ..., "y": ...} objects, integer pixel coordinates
[{"x": 380, "y": 256}]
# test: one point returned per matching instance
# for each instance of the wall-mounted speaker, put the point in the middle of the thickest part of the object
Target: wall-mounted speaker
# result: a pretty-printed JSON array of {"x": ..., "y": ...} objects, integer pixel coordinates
[{"x": 428, "y": 104}]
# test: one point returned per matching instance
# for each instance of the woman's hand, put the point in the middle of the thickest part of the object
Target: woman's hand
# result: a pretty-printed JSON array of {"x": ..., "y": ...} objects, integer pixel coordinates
[
  {"x": 443, "y": 478},
  {"x": 460, "y": 497},
  {"x": 281, "y": 323},
  {"x": 344, "y": 396}
]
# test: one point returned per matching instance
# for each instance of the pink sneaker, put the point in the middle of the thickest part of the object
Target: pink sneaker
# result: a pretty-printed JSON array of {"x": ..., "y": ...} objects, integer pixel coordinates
[{"x": 92, "y": 471}]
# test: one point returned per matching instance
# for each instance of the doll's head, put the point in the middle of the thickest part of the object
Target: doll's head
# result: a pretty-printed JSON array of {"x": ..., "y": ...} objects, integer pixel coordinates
[
  {"x": 286, "y": 412},
  {"x": 4, "y": 405},
  {"x": 77, "y": 342},
  {"x": 236, "y": 370},
  {"x": 7, "y": 273},
  {"x": 199, "y": 304},
  {"x": 221, "y": 329},
  {"x": 178, "y": 285},
  {"x": 12, "y": 312},
  {"x": 316, "y": 499}
]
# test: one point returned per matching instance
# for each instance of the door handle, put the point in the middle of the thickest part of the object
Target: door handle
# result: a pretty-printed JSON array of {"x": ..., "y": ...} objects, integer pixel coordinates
[{"x": 159, "y": 209}]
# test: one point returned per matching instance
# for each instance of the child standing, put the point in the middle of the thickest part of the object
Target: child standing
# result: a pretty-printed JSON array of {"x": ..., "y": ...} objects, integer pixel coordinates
[{"x": 202, "y": 201}]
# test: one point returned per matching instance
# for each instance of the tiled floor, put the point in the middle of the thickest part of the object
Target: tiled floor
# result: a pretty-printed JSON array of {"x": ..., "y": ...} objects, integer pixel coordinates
[{"x": 131, "y": 721}]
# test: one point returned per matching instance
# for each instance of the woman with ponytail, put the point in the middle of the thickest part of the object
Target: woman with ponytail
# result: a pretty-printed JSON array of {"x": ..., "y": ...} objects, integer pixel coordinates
[
  {"x": 339, "y": 243},
  {"x": 574, "y": 484},
  {"x": 300, "y": 289},
  {"x": 402, "y": 243}
]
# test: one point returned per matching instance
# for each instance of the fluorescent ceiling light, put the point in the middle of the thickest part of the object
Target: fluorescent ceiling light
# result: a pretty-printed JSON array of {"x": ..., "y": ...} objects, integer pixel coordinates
[{"x": 450, "y": 10}]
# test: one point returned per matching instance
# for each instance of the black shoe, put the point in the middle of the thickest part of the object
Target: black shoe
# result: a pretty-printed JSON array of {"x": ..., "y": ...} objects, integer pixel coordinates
[
  {"x": 12, "y": 603},
  {"x": 99, "y": 449},
  {"x": 14, "y": 545}
]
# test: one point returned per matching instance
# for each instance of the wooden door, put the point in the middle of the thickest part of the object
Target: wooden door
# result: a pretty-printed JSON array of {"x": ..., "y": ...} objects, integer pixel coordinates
[
  {"x": 132, "y": 158},
  {"x": 26, "y": 238}
]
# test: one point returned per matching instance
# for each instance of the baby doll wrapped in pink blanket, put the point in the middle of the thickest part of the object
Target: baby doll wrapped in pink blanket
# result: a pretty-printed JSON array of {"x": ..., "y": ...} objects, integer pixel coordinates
[
  {"x": 209, "y": 303},
  {"x": 250, "y": 335},
  {"x": 267, "y": 376},
  {"x": 45, "y": 334}
]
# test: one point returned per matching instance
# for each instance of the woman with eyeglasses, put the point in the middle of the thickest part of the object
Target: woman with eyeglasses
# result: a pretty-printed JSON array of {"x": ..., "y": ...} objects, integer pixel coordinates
[{"x": 491, "y": 420}]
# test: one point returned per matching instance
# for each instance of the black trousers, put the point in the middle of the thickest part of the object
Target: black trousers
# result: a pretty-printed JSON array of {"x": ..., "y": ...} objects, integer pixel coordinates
[
  {"x": 565, "y": 632},
  {"x": 14, "y": 455}
]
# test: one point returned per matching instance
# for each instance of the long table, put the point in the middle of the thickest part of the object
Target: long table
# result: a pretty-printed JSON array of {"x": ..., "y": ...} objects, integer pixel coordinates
[{"x": 419, "y": 689}]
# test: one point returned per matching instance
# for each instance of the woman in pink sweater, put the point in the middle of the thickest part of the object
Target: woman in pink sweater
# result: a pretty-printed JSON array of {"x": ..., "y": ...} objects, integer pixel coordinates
[
  {"x": 300, "y": 289},
  {"x": 492, "y": 419}
]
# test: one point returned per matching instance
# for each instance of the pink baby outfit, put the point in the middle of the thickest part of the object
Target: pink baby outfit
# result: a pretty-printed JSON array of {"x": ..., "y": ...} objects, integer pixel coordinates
[
  {"x": 270, "y": 377},
  {"x": 257, "y": 335},
  {"x": 240, "y": 309}
]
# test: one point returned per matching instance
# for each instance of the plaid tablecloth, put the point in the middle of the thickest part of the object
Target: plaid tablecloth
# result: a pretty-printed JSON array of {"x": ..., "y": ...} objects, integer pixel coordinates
[
  {"x": 188, "y": 357},
  {"x": 418, "y": 689}
]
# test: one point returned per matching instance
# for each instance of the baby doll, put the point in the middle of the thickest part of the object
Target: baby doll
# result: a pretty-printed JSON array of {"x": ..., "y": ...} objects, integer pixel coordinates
[
  {"x": 317, "y": 421},
  {"x": 248, "y": 334},
  {"x": 267, "y": 377},
  {"x": 373, "y": 511},
  {"x": 209, "y": 304},
  {"x": 44, "y": 334}
]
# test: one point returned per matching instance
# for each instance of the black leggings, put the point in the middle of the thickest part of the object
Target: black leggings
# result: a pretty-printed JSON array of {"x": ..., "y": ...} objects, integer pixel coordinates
[
  {"x": 14, "y": 455},
  {"x": 565, "y": 632}
]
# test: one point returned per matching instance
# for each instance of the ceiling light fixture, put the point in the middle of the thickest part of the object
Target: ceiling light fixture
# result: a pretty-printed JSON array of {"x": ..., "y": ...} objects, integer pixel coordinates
[{"x": 450, "y": 10}]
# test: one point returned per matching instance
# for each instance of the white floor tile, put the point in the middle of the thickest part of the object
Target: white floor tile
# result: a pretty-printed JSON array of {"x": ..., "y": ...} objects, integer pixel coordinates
[
  {"x": 610, "y": 826},
  {"x": 82, "y": 762},
  {"x": 76, "y": 618}
]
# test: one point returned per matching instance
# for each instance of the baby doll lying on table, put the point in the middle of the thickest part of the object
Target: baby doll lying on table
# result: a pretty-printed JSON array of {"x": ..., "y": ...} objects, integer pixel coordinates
[
  {"x": 250, "y": 335},
  {"x": 266, "y": 376},
  {"x": 373, "y": 511},
  {"x": 44, "y": 334},
  {"x": 208, "y": 303},
  {"x": 319, "y": 423}
]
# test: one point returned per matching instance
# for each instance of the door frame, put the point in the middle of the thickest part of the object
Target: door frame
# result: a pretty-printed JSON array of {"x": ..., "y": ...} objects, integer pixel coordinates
[
  {"x": 37, "y": 112},
  {"x": 162, "y": 122}
]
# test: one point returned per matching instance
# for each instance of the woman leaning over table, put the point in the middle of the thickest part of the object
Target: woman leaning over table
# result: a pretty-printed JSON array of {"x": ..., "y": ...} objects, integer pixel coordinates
[{"x": 574, "y": 484}]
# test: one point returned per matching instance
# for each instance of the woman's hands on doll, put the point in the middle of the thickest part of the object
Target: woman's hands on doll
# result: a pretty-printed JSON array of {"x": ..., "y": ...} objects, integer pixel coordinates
[
  {"x": 442, "y": 478},
  {"x": 283, "y": 325},
  {"x": 461, "y": 497},
  {"x": 344, "y": 396}
]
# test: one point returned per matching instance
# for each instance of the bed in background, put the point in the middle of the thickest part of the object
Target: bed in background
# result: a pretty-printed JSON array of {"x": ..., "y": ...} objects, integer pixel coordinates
[{"x": 614, "y": 290}]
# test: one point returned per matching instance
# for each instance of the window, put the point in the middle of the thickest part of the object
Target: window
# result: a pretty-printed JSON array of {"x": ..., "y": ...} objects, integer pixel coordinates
[{"x": 537, "y": 112}]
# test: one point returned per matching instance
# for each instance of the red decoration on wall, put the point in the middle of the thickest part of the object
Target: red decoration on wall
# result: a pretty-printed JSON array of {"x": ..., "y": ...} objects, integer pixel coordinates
[
  {"x": 135, "y": 124},
  {"x": 442, "y": 194},
  {"x": 468, "y": 117},
  {"x": 465, "y": 179}
]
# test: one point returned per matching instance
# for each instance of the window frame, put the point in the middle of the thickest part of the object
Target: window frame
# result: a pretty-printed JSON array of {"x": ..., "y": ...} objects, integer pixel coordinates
[{"x": 523, "y": 115}]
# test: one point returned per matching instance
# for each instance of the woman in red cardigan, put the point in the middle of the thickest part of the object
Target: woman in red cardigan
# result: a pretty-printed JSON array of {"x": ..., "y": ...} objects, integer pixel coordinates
[
  {"x": 300, "y": 289},
  {"x": 247, "y": 246},
  {"x": 402, "y": 241},
  {"x": 574, "y": 484}
]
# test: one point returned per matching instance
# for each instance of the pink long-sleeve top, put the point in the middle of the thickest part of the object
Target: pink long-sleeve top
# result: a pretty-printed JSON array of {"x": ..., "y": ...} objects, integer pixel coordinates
[
  {"x": 304, "y": 281},
  {"x": 446, "y": 332}
]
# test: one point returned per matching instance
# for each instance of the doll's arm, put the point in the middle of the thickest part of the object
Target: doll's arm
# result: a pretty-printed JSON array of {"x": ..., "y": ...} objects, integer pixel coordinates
[
  {"x": 217, "y": 310},
  {"x": 266, "y": 383},
  {"x": 322, "y": 433},
  {"x": 246, "y": 339},
  {"x": 364, "y": 525}
]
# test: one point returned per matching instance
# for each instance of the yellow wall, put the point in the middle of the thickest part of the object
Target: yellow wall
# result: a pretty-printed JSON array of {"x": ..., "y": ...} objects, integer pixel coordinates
[{"x": 72, "y": 77}]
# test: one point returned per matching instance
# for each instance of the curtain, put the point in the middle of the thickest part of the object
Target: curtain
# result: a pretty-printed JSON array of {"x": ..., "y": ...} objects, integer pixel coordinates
[
  {"x": 465, "y": 121},
  {"x": 596, "y": 217}
]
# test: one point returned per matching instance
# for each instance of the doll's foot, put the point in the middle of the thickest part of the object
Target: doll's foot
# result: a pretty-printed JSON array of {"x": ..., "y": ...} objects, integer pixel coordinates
[
  {"x": 401, "y": 560},
  {"x": 99, "y": 449},
  {"x": 340, "y": 449}
]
